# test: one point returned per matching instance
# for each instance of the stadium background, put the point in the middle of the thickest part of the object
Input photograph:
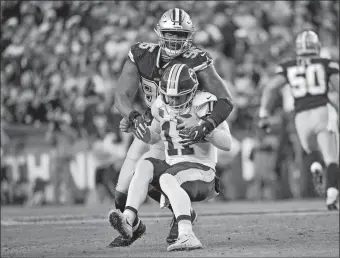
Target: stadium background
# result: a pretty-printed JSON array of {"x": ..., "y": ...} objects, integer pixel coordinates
[{"x": 60, "y": 62}]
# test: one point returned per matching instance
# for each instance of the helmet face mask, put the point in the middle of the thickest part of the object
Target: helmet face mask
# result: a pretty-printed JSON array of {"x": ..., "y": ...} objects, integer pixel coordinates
[
  {"x": 178, "y": 87},
  {"x": 307, "y": 43},
  {"x": 175, "y": 32}
]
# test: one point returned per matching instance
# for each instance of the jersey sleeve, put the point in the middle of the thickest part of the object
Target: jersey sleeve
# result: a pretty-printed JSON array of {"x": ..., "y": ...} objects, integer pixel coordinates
[
  {"x": 280, "y": 69},
  {"x": 204, "y": 103},
  {"x": 332, "y": 67},
  {"x": 134, "y": 53},
  {"x": 198, "y": 59}
]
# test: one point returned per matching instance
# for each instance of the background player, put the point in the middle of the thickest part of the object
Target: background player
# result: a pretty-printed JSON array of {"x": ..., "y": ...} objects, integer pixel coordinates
[
  {"x": 189, "y": 170},
  {"x": 312, "y": 80},
  {"x": 144, "y": 66}
]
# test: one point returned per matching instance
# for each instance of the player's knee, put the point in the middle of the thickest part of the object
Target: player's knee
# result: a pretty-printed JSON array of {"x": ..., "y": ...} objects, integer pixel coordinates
[
  {"x": 120, "y": 200},
  {"x": 332, "y": 175},
  {"x": 144, "y": 170},
  {"x": 168, "y": 183},
  {"x": 166, "y": 179}
]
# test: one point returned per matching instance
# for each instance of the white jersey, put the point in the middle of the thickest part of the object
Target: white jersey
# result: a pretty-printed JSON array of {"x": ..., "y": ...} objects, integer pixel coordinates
[{"x": 204, "y": 153}]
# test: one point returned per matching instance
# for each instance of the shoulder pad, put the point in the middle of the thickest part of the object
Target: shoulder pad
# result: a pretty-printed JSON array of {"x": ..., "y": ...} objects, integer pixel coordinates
[
  {"x": 197, "y": 59},
  {"x": 139, "y": 49}
]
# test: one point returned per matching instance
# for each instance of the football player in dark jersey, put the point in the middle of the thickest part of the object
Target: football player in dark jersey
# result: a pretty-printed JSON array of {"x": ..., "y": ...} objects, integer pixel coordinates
[
  {"x": 312, "y": 80},
  {"x": 145, "y": 65}
]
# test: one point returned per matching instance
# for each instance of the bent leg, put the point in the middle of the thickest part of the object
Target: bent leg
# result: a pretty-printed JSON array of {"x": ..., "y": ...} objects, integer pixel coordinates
[
  {"x": 138, "y": 188},
  {"x": 136, "y": 150}
]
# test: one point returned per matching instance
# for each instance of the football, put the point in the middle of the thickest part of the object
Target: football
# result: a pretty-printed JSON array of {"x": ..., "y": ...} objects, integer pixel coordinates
[{"x": 184, "y": 131}]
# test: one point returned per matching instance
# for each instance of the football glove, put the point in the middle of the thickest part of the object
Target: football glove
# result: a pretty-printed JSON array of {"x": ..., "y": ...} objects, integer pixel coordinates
[
  {"x": 139, "y": 126},
  {"x": 195, "y": 134}
]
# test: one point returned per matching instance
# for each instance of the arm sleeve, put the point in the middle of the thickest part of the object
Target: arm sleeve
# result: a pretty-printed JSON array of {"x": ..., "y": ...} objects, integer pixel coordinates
[
  {"x": 200, "y": 59},
  {"x": 135, "y": 53},
  {"x": 332, "y": 68}
]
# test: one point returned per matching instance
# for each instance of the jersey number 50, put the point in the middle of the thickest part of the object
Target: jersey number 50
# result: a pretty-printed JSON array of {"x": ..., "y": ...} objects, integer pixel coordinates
[{"x": 309, "y": 79}]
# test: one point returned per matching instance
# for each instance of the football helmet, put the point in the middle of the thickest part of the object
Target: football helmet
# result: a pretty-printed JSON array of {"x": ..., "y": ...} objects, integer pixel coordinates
[
  {"x": 177, "y": 22},
  {"x": 178, "y": 87},
  {"x": 307, "y": 43}
]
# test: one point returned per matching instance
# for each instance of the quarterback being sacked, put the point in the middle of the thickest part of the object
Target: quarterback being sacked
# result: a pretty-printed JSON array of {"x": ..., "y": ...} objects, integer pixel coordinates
[
  {"x": 312, "y": 81},
  {"x": 188, "y": 172},
  {"x": 145, "y": 65}
]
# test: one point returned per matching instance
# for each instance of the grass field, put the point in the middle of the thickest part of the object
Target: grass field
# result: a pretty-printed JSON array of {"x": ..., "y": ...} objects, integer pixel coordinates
[{"x": 297, "y": 228}]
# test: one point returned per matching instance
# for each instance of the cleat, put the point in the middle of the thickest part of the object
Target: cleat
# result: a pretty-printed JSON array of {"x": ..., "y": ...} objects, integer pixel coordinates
[
  {"x": 173, "y": 234},
  {"x": 120, "y": 241},
  {"x": 185, "y": 242},
  {"x": 332, "y": 207},
  {"x": 119, "y": 222},
  {"x": 332, "y": 198},
  {"x": 317, "y": 177}
]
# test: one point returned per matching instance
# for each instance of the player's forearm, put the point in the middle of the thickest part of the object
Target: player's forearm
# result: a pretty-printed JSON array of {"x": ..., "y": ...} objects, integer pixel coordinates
[
  {"x": 334, "y": 100},
  {"x": 221, "y": 111},
  {"x": 154, "y": 137},
  {"x": 220, "y": 138},
  {"x": 124, "y": 104},
  {"x": 267, "y": 101},
  {"x": 213, "y": 83}
]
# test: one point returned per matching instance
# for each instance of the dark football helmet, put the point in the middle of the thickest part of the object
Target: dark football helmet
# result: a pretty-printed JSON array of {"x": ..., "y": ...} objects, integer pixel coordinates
[{"x": 178, "y": 87}]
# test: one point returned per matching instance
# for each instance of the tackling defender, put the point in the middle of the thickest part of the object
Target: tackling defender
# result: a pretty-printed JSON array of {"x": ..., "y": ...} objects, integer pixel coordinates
[
  {"x": 188, "y": 173},
  {"x": 312, "y": 81},
  {"x": 145, "y": 65}
]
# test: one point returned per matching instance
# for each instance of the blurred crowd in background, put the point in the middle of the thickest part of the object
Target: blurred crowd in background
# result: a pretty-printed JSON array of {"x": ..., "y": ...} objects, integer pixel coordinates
[{"x": 60, "y": 60}]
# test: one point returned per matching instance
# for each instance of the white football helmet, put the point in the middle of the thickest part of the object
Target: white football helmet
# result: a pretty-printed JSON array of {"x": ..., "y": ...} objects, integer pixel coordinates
[
  {"x": 175, "y": 21},
  {"x": 307, "y": 43}
]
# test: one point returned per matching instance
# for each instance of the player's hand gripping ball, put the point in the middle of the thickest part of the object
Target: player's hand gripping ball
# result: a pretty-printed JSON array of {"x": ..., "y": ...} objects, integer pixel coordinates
[
  {"x": 183, "y": 125},
  {"x": 141, "y": 130}
]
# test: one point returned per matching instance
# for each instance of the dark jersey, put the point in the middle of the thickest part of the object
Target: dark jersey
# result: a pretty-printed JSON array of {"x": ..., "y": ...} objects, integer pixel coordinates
[
  {"x": 308, "y": 80},
  {"x": 146, "y": 56}
]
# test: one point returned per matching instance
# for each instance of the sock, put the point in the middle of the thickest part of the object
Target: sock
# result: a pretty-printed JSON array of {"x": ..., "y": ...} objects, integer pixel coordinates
[
  {"x": 131, "y": 214},
  {"x": 138, "y": 190},
  {"x": 184, "y": 227},
  {"x": 178, "y": 198},
  {"x": 314, "y": 156},
  {"x": 120, "y": 200},
  {"x": 332, "y": 176},
  {"x": 135, "y": 224}
]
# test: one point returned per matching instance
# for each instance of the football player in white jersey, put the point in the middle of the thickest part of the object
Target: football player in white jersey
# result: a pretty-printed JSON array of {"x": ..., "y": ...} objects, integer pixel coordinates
[
  {"x": 188, "y": 171},
  {"x": 145, "y": 65}
]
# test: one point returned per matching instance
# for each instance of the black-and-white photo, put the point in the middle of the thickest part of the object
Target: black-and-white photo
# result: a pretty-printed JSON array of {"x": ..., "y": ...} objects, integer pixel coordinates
[{"x": 154, "y": 128}]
